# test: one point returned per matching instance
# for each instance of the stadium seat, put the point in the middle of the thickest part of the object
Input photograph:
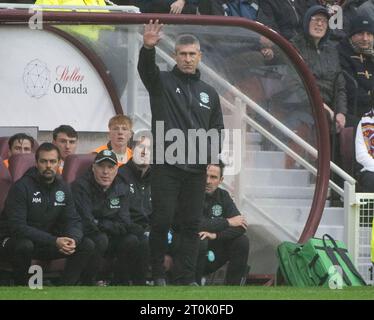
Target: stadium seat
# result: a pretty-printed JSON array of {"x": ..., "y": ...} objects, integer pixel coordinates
[
  {"x": 19, "y": 164},
  {"x": 5, "y": 183},
  {"x": 4, "y": 147},
  {"x": 347, "y": 149},
  {"x": 75, "y": 165}
]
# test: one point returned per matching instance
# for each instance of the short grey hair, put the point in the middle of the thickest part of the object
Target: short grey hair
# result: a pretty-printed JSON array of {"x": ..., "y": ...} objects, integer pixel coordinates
[{"x": 186, "y": 38}]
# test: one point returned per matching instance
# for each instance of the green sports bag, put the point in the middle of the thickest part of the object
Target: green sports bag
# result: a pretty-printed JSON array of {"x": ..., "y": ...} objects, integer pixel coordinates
[{"x": 318, "y": 262}]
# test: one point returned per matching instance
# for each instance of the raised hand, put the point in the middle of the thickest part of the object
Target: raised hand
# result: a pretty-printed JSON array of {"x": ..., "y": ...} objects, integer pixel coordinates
[
  {"x": 177, "y": 6},
  {"x": 151, "y": 35}
]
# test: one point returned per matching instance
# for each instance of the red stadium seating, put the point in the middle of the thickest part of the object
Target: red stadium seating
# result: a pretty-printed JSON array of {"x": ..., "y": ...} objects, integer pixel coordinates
[
  {"x": 347, "y": 149},
  {"x": 75, "y": 165},
  {"x": 19, "y": 164},
  {"x": 4, "y": 147},
  {"x": 5, "y": 183}
]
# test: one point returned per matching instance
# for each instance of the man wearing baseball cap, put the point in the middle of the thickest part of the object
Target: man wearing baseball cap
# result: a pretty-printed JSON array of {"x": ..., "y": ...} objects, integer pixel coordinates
[
  {"x": 357, "y": 59},
  {"x": 102, "y": 200}
]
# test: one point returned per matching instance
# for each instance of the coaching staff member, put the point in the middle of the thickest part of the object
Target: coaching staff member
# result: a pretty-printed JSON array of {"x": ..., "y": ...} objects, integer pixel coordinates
[
  {"x": 102, "y": 200},
  {"x": 179, "y": 100},
  {"x": 40, "y": 221},
  {"x": 222, "y": 232}
]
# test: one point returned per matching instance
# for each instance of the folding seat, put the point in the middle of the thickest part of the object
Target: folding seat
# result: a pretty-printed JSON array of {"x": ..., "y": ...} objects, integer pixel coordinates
[
  {"x": 4, "y": 147},
  {"x": 76, "y": 165},
  {"x": 19, "y": 164},
  {"x": 347, "y": 149},
  {"x": 5, "y": 183}
]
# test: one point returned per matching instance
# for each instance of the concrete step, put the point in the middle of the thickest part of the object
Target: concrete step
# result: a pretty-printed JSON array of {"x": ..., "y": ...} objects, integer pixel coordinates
[
  {"x": 265, "y": 159},
  {"x": 280, "y": 192},
  {"x": 275, "y": 177}
]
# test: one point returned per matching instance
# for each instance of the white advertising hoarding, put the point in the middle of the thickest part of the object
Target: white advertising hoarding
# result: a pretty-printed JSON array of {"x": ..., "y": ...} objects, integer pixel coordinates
[{"x": 45, "y": 81}]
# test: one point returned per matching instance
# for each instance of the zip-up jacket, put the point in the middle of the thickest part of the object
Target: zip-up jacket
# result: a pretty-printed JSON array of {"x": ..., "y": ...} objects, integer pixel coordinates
[
  {"x": 217, "y": 208},
  {"x": 284, "y": 16},
  {"x": 323, "y": 61},
  {"x": 140, "y": 193},
  {"x": 40, "y": 212},
  {"x": 105, "y": 211},
  {"x": 181, "y": 101}
]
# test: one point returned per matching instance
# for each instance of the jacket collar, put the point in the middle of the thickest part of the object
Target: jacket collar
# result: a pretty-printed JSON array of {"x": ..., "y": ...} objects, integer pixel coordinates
[{"x": 186, "y": 76}]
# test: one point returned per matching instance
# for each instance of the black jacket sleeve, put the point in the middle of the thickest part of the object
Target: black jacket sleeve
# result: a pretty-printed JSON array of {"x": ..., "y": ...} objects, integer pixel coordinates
[
  {"x": 230, "y": 233},
  {"x": 148, "y": 70},
  {"x": 72, "y": 224},
  {"x": 216, "y": 121},
  {"x": 214, "y": 225},
  {"x": 83, "y": 205},
  {"x": 16, "y": 211}
]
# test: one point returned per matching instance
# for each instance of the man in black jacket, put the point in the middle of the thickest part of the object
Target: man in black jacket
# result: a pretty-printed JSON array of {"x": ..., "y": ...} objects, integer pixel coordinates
[
  {"x": 357, "y": 59},
  {"x": 137, "y": 174},
  {"x": 40, "y": 221},
  {"x": 181, "y": 103},
  {"x": 222, "y": 232},
  {"x": 102, "y": 200}
]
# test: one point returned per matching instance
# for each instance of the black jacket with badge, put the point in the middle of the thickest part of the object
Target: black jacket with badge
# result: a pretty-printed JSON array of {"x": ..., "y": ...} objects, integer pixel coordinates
[
  {"x": 217, "y": 208},
  {"x": 40, "y": 212},
  {"x": 181, "y": 101},
  {"x": 105, "y": 211},
  {"x": 140, "y": 193}
]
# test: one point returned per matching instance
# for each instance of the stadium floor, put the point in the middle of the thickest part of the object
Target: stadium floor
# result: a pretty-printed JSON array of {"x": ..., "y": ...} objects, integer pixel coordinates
[{"x": 186, "y": 293}]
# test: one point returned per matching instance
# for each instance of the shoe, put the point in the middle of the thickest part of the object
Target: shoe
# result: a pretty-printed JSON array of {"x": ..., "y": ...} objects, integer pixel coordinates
[
  {"x": 160, "y": 282},
  {"x": 194, "y": 284}
]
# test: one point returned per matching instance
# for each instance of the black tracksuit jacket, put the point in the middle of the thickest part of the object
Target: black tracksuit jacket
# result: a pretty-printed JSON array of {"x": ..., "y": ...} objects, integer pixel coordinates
[
  {"x": 103, "y": 211},
  {"x": 140, "y": 193},
  {"x": 217, "y": 208},
  {"x": 182, "y": 101},
  {"x": 40, "y": 212}
]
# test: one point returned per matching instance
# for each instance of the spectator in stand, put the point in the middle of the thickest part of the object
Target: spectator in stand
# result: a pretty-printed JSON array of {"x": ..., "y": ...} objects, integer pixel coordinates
[
  {"x": 323, "y": 60},
  {"x": 19, "y": 143},
  {"x": 167, "y": 6},
  {"x": 120, "y": 132},
  {"x": 66, "y": 140},
  {"x": 357, "y": 59},
  {"x": 367, "y": 8},
  {"x": 40, "y": 221},
  {"x": 285, "y": 17},
  {"x": 364, "y": 145},
  {"x": 349, "y": 8},
  {"x": 102, "y": 200}
]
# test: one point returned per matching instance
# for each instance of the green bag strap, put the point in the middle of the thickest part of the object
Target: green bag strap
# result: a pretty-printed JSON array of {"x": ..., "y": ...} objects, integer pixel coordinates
[
  {"x": 342, "y": 253},
  {"x": 331, "y": 254}
]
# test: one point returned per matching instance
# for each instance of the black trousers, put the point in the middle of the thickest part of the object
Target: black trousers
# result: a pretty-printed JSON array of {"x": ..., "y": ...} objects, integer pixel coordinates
[
  {"x": 21, "y": 251},
  {"x": 366, "y": 180},
  {"x": 234, "y": 251},
  {"x": 130, "y": 254},
  {"x": 176, "y": 194}
]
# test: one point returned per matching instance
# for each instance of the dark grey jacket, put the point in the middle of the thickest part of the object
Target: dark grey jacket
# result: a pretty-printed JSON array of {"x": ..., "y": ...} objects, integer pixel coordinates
[{"x": 323, "y": 61}]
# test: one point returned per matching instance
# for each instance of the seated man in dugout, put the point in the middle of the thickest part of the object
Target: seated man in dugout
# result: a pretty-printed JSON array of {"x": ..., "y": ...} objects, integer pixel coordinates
[
  {"x": 222, "y": 233},
  {"x": 66, "y": 140},
  {"x": 19, "y": 143},
  {"x": 120, "y": 132},
  {"x": 102, "y": 200},
  {"x": 40, "y": 222}
]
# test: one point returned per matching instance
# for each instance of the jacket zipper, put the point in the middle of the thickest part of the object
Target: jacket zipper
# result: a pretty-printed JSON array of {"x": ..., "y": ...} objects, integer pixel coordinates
[
  {"x": 190, "y": 101},
  {"x": 294, "y": 10}
]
